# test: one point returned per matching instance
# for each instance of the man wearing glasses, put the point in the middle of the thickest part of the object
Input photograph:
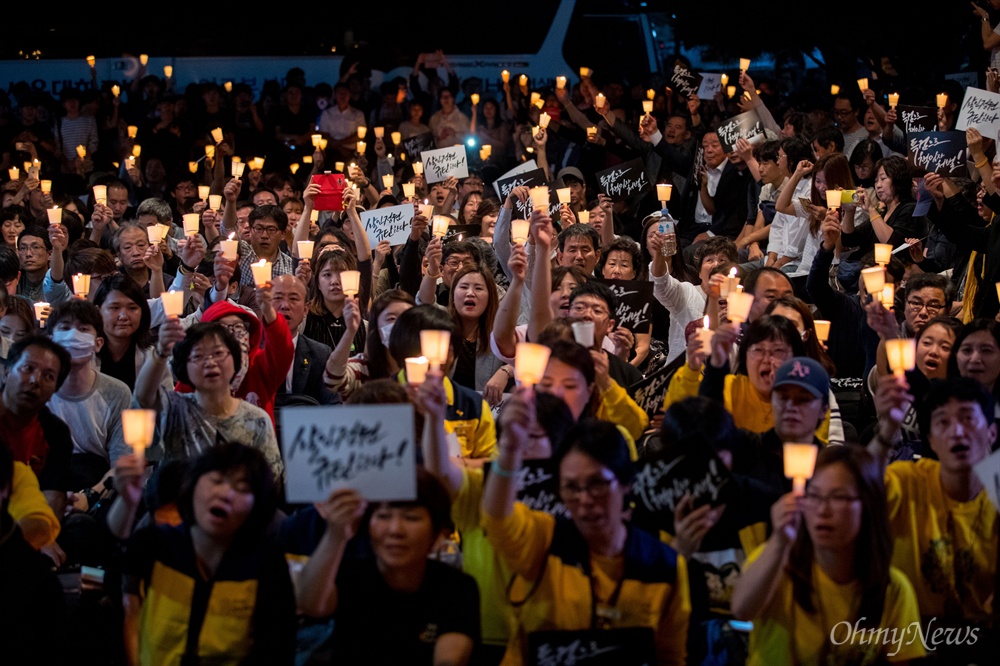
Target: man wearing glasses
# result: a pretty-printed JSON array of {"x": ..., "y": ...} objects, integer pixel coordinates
[
  {"x": 595, "y": 302},
  {"x": 267, "y": 229},
  {"x": 845, "y": 114}
]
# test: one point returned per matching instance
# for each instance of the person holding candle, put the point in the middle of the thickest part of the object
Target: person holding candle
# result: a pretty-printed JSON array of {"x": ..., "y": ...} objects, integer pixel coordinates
[
  {"x": 72, "y": 130},
  {"x": 232, "y": 596},
  {"x": 34, "y": 250},
  {"x": 473, "y": 305},
  {"x": 126, "y": 318},
  {"x": 267, "y": 229},
  {"x": 326, "y": 321},
  {"x": 139, "y": 259},
  {"x": 941, "y": 522},
  {"x": 583, "y": 570},
  {"x": 809, "y": 581}
]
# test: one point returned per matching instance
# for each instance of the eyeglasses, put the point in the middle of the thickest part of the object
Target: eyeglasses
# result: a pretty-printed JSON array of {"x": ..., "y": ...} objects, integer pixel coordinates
[
  {"x": 758, "y": 352},
  {"x": 459, "y": 263},
  {"x": 213, "y": 357},
  {"x": 814, "y": 501},
  {"x": 932, "y": 308},
  {"x": 238, "y": 326},
  {"x": 842, "y": 112},
  {"x": 270, "y": 231},
  {"x": 578, "y": 309},
  {"x": 597, "y": 488},
  {"x": 31, "y": 248}
]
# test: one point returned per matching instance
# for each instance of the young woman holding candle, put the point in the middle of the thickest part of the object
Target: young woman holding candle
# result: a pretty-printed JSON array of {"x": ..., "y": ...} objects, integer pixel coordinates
[
  {"x": 126, "y": 319},
  {"x": 472, "y": 304},
  {"x": 811, "y": 586},
  {"x": 325, "y": 322}
]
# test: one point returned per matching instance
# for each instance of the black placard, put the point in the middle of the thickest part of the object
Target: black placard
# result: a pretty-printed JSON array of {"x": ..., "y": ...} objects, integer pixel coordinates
[
  {"x": 662, "y": 482},
  {"x": 943, "y": 153},
  {"x": 650, "y": 392},
  {"x": 415, "y": 145},
  {"x": 916, "y": 118},
  {"x": 623, "y": 180},
  {"x": 537, "y": 486},
  {"x": 629, "y": 646},
  {"x": 684, "y": 81},
  {"x": 462, "y": 232},
  {"x": 746, "y": 126},
  {"x": 534, "y": 178},
  {"x": 634, "y": 301}
]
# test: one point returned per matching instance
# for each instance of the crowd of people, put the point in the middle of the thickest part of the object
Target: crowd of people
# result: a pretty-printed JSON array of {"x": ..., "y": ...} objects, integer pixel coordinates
[{"x": 136, "y": 220}]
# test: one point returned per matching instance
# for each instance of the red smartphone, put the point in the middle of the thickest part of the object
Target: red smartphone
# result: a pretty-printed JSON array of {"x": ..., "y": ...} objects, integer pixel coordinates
[{"x": 331, "y": 194}]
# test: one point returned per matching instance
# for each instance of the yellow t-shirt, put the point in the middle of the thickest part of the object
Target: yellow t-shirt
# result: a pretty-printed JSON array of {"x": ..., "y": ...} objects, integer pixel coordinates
[
  {"x": 786, "y": 634},
  {"x": 947, "y": 549}
]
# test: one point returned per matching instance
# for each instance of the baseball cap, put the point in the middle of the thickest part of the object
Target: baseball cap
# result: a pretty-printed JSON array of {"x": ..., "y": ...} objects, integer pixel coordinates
[
  {"x": 806, "y": 373},
  {"x": 572, "y": 172}
]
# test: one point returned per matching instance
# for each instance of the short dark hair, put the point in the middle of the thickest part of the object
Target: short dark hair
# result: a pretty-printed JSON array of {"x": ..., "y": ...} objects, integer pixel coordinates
[
  {"x": 80, "y": 310},
  {"x": 131, "y": 290},
  {"x": 768, "y": 151},
  {"x": 229, "y": 457},
  {"x": 431, "y": 495},
  {"x": 769, "y": 327},
  {"x": 404, "y": 342},
  {"x": 36, "y": 231},
  {"x": 90, "y": 261},
  {"x": 628, "y": 246},
  {"x": 898, "y": 171},
  {"x": 601, "y": 291},
  {"x": 796, "y": 150},
  {"x": 962, "y": 389},
  {"x": 603, "y": 442},
  {"x": 717, "y": 245},
  {"x": 194, "y": 335},
  {"x": 578, "y": 230},
  {"x": 919, "y": 281},
  {"x": 271, "y": 211},
  {"x": 751, "y": 279},
  {"x": 462, "y": 247},
  {"x": 10, "y": 265},
  {"x": 697, "y": 423},
  {"x": 264, "y": 188},
  {"x": 17, "y": 350},
  {"x": 830, "y": 135},
  {"x": 559, "y": 274}
]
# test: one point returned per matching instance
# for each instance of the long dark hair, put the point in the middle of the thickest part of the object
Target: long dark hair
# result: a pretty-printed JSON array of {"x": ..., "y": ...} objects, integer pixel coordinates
[
  {"x": 376, "y": 354},
  {"x": 873, "y": 548},
  {"x": 131, "y": 290},
  {"x": 974, "y": 326},
  {"x": 492, "y": 304}
]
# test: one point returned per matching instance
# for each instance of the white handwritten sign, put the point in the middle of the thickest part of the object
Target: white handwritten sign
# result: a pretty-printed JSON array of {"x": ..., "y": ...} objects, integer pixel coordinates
[
  {"x": 744, "y": 126},
  {"x": 938, "y": 152},
  {"x": 623, "y": 180},
  {"x": 391, "y": 224},
  {"x": 444, "y": 163},
  {"x": 980, "y": 109},
  {"x": 711, "y": 85},
  {"x": 988, "y": 471},
  {"x": 370, "y": 448}
]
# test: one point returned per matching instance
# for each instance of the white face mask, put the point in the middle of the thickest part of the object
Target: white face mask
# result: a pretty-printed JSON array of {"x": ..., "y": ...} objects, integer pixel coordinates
[
  {"x": 77, "y": 343},
  {"x": 384, "y": 333}
]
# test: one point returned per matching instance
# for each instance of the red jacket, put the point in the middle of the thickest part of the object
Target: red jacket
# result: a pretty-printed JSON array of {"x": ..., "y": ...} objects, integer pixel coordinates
[{"x": 269, "y": 364}]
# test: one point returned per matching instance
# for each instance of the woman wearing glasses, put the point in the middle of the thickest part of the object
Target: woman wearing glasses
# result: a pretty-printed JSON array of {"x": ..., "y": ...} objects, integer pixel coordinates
[
  {"x": 818, "y": 593},
  {"x": 208, "y": 358},
  {"x": 593, "y": 577}
]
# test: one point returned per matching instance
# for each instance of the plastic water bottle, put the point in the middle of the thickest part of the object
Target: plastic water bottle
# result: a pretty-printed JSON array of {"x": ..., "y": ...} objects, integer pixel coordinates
[{"x": 668, "y": 229}]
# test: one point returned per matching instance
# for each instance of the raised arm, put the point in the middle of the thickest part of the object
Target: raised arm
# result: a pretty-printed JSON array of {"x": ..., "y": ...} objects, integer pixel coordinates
[
  {"x": 505, "y": 321},
  {"x": 541, "y": 279},
  {"x": 432, "y": 401},
  {"x": 147, "y": 384},
  {"x": 784, "y": 204},
  {"x": 755, "y": 588}
]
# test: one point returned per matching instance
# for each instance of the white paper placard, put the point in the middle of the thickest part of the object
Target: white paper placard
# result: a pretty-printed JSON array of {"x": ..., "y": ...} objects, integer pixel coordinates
[
  {"x": 980, "y": 109},
  {"x": 391, "y": 224},
  {"x": 988, "y": 471},
  {"x": 370, "y": 448},
  {"x": 710, "y": 85},
  {"x": 444, "y": 163}
]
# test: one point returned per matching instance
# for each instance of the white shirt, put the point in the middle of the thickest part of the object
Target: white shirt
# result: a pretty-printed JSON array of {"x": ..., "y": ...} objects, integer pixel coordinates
[
  {"x": 341, "y": 124},
  {"x": 291, "y": 368},
  {"x": 702, "y": 216}
]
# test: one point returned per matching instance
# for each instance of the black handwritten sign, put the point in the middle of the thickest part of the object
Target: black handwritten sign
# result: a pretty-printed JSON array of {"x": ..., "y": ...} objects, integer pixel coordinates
[
  {"x": 533, "y": 178},
  {"x": 623, "y": 180},
  {"x": 917, "y": 118},
  {"x": 662, "y": 482},
  {"x": 415, "y": 146},
  {"x": 943, "y": 153},
  {"x": 538, "y": 486},
  {"x": 633, "y": 646},
  {"x": 699, "y": 162},
  {"x": 744, "y": 126},
  {"x": 524, "y": 167},
  {"x": 683, "y": 80},
  {"x": 391, "y": 224},
  {"x": 462, "y": 231},
  {"x": 980, "y": 109},
  {"x": 366, "y": 447},
  {"x": 650, "y": 392},
  {"x": 634, "y": 301},
  {"x": 444, "y": 163}
]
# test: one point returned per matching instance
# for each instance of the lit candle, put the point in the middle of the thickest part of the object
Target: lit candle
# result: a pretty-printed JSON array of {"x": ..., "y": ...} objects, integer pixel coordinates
[
  {"x": 387, "y": 181},
  {"x": 523, "y": 80},
  {"x": 863, "y": 84},
  {"x": 901, "y": 354},
  {"x": 729, "y": 283},
  {"x": 41, "y": 312},
  {"x": 530, "y": 360},
  {"x": 81, "y": 284},
  {"x": 488, "y": 148},
  {"x": 439, "y": 225},
  {"x": 591, "y": 132},
  {"x": 434, "y": 345},
  {"x": 238, "y": 169},
  {"x": 833, "y": 199},
  {"x": 316, "y": 139},
  {"x": 893, "y": 100},
  {"x": 418, "y": 168},
  {"x": 362, "y": 131},
  {"x": 173, "y": 303},
  {"x": 409, "y": 189},
  {"x": 738, "y": 306},
  {"x": 744, "y": 64},
  {"x": 228, "y": 85},
  {"x": 193, "y": 167},
  {"x": 539, "y": 197},
  {"x": 379, "y": 132},
  {"x": 888, "y": 295},
  {"x": 210, "y": 152},
  {"x": 350, "y": 282},
  {"x": 314, "y": 216},
  {"x": 261, "y": 272},
  {"x": 426, "y": 210},
  {"x": 800, "y": 461},
  {"x": 14, "y": 173},
  {"x": 81, "y": 151},
  {"x": 138, "y": 427},
  {"x": 585, "y": 72},
  {"x": 191, "y": 225},
  {"x": 543, "y": 120},
  {"x": 116, "y": 90},
  {"x": 132, "y": 130},
  {"x": 339, "y": 166},
  {"x": 705, "y": 335},
  {"x": 305, "y": 248},
  {"x": 583, "y": 333},
  {"x": 168, "y": 71},
  {"x": 307, "y": 159},
  {"x": 560, "y": 83},
  {"x": 136, "y": 150},
  {"x": 215, "y": 201},
  {"x": 663, "y": 192},
  {"x": 724, "y": 79},
  {"x": 519, "y": 230},
  {"x": 203, "y": 191},
  {"x": 153, "y": 232},
  {"x": 217, "y": 135},
  {"x": 647, "y": 106},
  {"x": 257, "y": 164},
  {"x": 361, "y": 147},
  {"x": 416, "y": 369},
  {"x": 874, "y": 279},
  {"x": 942, "y": 100},
  {"x": 322, "y": 144},
  {"x": 563, "y": 195},
  {"x": 599, "y": 100},
  {"x": 294, "y": 168},
  {"x": 535, "y": 97},
  {"x": 91, "y": 60},
  {"x": 46, "y": 186},
  {"x": 143, "y": 59},
  {"x": 730, "y": 91},
  {"x": 231, "y": 247},
  {"x": 55, "y": 215},
  {"x": 834, "y": 89},
  {"x": 883, "y": 253},
  {"x": 505, "y": 76},
  {"x": 583, "y": 216}
]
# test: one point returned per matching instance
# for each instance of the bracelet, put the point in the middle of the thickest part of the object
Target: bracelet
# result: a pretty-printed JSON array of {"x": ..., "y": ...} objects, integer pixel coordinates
[
  {"x": 980, "y": 165},
  {"x": 497, "y": 469},
  {"x": 433, "y": 277},
  {"x": 506, "y": 370},
  {"x": 158, "y": 354}
]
